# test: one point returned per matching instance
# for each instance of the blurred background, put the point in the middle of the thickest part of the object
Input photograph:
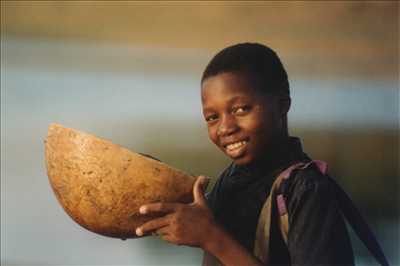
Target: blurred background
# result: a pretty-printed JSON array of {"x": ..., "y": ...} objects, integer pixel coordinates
[{"x": 130, "y": 72}]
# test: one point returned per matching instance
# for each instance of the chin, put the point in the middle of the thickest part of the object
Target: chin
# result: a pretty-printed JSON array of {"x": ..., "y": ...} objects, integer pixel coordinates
[{"x": 243, "y": 160}]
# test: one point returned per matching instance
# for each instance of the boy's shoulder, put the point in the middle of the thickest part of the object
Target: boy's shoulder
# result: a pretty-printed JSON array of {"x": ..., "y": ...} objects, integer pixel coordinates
[{"x": 303, "y": 182}]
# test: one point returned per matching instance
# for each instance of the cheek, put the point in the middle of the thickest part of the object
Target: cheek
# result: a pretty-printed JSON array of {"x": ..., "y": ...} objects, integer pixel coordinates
[
  {"x": 212, "y": 134},
  {"x": 261, "y": 128}
]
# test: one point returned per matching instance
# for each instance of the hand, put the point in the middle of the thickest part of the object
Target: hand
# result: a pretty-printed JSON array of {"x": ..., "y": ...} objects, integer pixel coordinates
[{"x": 182, "y": 224}]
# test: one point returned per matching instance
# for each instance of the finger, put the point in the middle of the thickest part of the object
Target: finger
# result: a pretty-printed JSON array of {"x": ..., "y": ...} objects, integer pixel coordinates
[
  {"x": 198, "y": 189},
  {"x": 160, "y": 207},
  {"x": 169, "y": 238},
  {"x": 163, "y": 231},
  {"x": 152, "y": 225}
]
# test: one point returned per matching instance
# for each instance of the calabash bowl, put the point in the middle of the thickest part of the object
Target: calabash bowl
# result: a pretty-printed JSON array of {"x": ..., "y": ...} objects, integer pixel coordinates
[{"x": 101, "y": 185}]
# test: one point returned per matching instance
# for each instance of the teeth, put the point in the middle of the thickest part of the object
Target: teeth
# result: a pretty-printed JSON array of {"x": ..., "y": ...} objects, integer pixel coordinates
[{"x": 235, "y": 145}]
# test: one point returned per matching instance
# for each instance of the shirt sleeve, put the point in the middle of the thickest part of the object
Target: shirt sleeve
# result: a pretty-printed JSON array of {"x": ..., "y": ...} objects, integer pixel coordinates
[{"x": 317, "y": 233}]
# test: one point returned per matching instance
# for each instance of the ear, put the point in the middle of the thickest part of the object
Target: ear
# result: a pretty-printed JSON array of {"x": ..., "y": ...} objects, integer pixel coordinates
[{"x": 284, "y": 104}]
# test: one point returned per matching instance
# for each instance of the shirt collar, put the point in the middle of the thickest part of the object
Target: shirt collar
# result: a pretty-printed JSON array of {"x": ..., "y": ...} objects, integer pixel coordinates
[{"x": 289, "y": 152}]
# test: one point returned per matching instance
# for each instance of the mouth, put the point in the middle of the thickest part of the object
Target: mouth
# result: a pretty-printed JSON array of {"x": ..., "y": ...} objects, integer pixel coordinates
[{"x": 236, "y": 149}]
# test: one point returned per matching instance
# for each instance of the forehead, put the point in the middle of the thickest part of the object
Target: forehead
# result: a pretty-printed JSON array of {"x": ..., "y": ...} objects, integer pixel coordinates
[{"x": 229, "y": 86}]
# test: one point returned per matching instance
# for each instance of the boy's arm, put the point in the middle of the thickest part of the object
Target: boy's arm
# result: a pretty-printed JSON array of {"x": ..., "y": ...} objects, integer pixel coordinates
[
  {"x": 193, "y": 225},
  {"x": 224, "y": 247}
]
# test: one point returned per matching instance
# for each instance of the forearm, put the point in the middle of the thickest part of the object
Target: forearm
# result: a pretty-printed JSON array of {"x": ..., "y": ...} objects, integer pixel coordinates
[{"x": 224, "y": 247}]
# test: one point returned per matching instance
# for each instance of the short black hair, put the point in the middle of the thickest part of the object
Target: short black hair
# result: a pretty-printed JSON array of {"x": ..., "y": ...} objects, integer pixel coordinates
[{"x": 259, "y": 62}]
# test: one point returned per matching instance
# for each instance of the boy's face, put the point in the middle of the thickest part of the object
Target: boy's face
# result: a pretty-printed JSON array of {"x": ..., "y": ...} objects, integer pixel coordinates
[{"x": 241, "y": 121}]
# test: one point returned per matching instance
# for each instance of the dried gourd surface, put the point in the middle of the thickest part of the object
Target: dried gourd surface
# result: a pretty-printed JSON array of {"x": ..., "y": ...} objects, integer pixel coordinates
[{"x": 101, "y": 185}]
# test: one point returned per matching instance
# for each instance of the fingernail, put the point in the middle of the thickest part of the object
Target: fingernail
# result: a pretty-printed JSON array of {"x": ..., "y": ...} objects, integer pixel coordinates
[
  {"x": 139, "y": 231},
  {"x": 143, "y": 210}
]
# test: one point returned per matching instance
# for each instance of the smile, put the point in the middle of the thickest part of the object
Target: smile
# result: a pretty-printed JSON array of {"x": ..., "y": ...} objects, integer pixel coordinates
[
  {"x": 236, "y": 149},
  {"x": 236, "y": 145}
]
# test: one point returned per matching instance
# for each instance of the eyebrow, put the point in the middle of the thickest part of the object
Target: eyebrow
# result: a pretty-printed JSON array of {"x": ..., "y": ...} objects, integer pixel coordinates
[
  {"x": 235, "y": 98},
  {"x": 207, "y": 110}
]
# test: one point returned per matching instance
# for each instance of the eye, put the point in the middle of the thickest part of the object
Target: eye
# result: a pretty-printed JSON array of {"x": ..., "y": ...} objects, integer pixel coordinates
[
  {"x": 241, "y": 109},
  {"x": 211, "y": 118}
]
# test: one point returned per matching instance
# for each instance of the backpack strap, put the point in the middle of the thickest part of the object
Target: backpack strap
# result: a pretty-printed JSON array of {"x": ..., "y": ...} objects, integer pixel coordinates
[
  {"x": 359, "y": 225},
  {"x": 283, "y": 221},
  {"x": 262, "y": 239},
  {"x": 347, "y": 207}
]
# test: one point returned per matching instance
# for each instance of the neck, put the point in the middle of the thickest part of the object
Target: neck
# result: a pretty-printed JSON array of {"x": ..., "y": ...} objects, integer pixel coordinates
[{"x": 277, "y": 152}]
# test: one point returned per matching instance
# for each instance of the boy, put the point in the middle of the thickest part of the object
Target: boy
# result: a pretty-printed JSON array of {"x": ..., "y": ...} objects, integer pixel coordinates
[{"x": 245, "y": 100}]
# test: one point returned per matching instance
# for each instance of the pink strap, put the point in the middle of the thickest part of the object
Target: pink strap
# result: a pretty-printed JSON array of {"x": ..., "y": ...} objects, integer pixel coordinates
[
  {"x": 322, "y": 166},
  {"x": 281, "y": 204}
]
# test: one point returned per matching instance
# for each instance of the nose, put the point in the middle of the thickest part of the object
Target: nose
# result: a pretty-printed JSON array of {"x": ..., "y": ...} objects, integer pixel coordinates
[{"x": 227, "y": 126}]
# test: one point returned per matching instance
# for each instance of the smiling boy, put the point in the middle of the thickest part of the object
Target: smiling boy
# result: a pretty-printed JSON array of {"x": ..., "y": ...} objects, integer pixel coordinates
[{"x": 245, "y": 99}]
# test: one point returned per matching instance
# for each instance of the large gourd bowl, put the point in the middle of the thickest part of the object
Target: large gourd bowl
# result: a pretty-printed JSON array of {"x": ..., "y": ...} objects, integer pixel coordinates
[{"x": 101, "y": 185}]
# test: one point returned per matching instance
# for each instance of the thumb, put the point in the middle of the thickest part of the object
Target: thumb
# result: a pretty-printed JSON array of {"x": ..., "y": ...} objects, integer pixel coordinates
[{"x": 199, "y": 188}]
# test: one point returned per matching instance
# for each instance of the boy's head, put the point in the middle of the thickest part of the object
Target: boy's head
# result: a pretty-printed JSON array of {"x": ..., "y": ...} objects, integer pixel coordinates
[
  {"x": 259, "y": 63},
  {"x": 245, "y": 98}
]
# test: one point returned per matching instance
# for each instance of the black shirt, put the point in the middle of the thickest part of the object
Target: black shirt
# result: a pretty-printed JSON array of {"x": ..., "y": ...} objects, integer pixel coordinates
[{"x": 317, "y": 234}]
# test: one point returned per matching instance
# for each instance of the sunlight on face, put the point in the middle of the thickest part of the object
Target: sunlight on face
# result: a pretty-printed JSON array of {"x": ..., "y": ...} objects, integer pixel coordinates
[{"x": 241, "y": 121}]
